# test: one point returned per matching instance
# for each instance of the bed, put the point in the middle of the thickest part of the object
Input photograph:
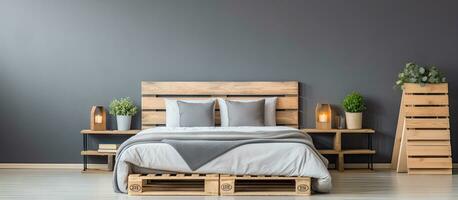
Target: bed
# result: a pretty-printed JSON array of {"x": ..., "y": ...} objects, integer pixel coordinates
[{"x": 280, "y": 150}]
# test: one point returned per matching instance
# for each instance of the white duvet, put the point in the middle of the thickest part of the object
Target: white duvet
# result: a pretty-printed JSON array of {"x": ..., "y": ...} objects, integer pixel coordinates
[{"x": 287, "y": 159}]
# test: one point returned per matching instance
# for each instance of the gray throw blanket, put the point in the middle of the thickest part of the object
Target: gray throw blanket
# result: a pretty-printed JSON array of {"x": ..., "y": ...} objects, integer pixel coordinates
[{"x": 199, "y": 148}]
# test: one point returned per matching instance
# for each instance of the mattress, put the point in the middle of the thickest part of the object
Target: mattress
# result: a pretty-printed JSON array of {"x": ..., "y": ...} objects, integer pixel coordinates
[{"x": 283, "y": 158}]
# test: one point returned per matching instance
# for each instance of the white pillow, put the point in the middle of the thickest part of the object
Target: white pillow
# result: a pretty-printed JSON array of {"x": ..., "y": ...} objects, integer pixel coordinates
[
  {"x": 270, "y": 113},
  {"x": 172, "y": 112}
]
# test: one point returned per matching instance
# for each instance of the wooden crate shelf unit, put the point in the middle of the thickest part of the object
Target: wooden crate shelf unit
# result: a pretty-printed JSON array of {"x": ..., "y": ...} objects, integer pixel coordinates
[
  {"x": 173, "y": 184},
  {"x": 264, "y": 185},
  {"x": 422, "y": 144}
]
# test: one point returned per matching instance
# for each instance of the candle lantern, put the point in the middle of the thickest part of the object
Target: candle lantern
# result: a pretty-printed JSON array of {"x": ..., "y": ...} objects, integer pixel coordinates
[
  {"x": 98, "y": 118},
  {"x": 323, "y": 116}
]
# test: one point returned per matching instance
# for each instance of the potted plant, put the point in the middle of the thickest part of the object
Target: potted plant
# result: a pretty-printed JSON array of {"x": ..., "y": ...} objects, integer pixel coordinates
[
  {"x": 123, "y": 109},
  {"x": 354, "y": 107},
  {"x": 413, "y": 73}
]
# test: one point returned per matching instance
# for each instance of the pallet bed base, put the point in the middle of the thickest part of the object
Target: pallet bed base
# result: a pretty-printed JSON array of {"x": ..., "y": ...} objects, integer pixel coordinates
[
  {"x": 264, "y": 185},
  {"x": 214, "y": 184},
  {"x": 173, "y": 184}
]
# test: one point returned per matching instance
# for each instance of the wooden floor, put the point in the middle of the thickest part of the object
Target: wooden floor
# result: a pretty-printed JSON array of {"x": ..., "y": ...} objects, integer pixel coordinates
[{"x": 71, "y": 184}]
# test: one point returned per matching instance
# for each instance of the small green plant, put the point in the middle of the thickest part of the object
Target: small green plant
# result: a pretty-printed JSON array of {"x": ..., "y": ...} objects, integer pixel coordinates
[
  {"x": 354, "y": 103},
  {"x": 413, "y": 73},
  {"x": 123, "y": 106}
]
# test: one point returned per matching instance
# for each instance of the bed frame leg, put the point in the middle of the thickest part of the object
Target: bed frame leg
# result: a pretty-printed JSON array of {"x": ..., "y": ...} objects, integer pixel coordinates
[
  {"x": 135, "y": 184},
  {"x": 303, "y": 186},
  {"x": 227, "y": 186}
]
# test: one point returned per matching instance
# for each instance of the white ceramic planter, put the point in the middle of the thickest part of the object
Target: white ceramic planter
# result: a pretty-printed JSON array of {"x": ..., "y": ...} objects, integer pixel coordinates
[
  {"x": 354, "y": 120},
  {"x": 123, "y": 122}
]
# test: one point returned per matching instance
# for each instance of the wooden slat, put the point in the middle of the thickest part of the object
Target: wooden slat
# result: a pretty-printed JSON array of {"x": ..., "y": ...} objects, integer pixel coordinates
[
  {"x": 264, "y": 185},
  {"x": 441, "y": 111},
  {"x": 110, "y": 132},
  {"x": 96, "y": 153},
  {"x": 428, "y": 88},
  {"x": 430, "y": 163},
  {"x": 328, "y": 151},
  {"x": 358, "y": 151},
  {"x": 220, "y": 88},
  {"x": 428, "y": 135},
  {"x": 429, "y": 142},
  {"x": 398, "y": 136},
  {"x": 426, "y": 100},
  {"x": 430, "y": 171},
  {"x": 167, "y": 184},
  {"x": 416, "y": 150},
  {"x": 286, "y": 117},
  {"x": 158, "y": 103},
  {"x": 428, "y": 123},
  {"x": 343, "y": 131}
]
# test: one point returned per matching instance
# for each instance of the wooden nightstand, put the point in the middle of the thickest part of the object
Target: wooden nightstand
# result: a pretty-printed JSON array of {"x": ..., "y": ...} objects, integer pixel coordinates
[
  {"x": 337, "y": 147},
  {"x": 110, "y": 156}
]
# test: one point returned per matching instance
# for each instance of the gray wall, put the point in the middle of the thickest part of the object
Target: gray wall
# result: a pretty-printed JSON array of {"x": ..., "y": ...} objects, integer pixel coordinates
[{"x": 57, "y": 58}]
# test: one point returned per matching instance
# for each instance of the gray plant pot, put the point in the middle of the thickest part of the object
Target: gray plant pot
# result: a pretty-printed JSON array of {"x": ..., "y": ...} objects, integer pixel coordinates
[{"x": 123, "y": 122}]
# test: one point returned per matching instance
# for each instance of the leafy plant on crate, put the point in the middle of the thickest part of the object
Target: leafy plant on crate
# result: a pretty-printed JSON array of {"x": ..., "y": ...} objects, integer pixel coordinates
[
  {"x": 354, "y": 106},
  {"x": 123, "y": 109},
  {"x": 413, "y": 73}
]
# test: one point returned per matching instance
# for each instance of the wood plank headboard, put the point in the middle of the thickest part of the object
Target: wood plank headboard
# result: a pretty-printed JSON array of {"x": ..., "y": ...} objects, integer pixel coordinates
[{"x": 154, "y": 93}]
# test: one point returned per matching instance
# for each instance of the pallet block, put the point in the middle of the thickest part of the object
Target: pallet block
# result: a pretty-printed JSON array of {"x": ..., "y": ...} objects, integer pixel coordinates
[
  {"x": 173, "y": 184},
  {"x": 264, "y": 185},
  {"x": 422, "y": 143}
]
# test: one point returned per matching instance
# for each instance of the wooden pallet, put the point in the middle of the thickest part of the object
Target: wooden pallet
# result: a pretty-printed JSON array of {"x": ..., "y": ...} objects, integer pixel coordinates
[
  {"x": 264, "y": 185},
  {"x": 173, "y": 184},
  {"x": 422, "y": 143}
]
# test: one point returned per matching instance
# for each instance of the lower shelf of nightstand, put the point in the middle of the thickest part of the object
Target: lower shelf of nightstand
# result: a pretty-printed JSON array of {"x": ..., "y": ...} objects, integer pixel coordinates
[
  {"x": 96, "y": 153},
  {"x": 110, "y": 161},
  {"x": 347, "y": 152}
]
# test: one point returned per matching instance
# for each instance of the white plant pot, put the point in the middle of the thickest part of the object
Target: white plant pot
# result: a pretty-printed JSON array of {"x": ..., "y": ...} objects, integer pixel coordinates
[
  {"x": 354, "y": 120},
  {"x": 123, "y": 122}
]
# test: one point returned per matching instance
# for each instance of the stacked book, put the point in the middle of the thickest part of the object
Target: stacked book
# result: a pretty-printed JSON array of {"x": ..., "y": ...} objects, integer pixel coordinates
[{"x": 108, "y": 148}]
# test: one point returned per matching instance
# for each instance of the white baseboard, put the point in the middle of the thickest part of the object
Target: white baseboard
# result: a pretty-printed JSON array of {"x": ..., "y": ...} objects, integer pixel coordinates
[
  {"x": 48, "y": 166},
  {"x": 80, "y": 166}
]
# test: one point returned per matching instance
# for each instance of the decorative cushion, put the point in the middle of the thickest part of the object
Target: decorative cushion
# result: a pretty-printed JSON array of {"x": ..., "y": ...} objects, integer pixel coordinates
[
  {"x": 245, "y": 113},
  {"x": 196, "y": 114},
  {"x": 270, "y": 108},
  {"x": 172, "y": 113}
]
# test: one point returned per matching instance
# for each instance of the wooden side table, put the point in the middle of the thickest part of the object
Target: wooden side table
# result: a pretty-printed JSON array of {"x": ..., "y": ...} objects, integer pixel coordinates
[
  {"x": 110, "y": 156},
  {"x": 337, "y": 145}
]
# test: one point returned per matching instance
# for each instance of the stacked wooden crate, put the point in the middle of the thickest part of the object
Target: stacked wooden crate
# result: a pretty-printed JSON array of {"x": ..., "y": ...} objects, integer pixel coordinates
[{"x": 426, "y": 129}]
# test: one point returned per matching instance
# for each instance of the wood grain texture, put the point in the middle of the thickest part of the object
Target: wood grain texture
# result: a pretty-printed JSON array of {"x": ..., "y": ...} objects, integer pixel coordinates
[
  {"x": 154, "y": 93},
  {"x": 286, "y": 117},
  {"x": 158, "y": 103},
  {"x": 428, "y": 135},
  {"x": 426, "y": 100},
  {"x": 398, "y": 135},
  {"x": 427, "y": 88},
  {"x": 441, "y": 111},
  {"x": 110, "y": 132},
  {"x": 264, "y": 185},
  {"x": 220, "y": 88},
  {"x": 439, "y": 150},
  {"x": 428, "y": 123},
  {"x": 420, "y": 171},
  {"x": 429, "y": 163},
  {"x": 173, "y": 184}
]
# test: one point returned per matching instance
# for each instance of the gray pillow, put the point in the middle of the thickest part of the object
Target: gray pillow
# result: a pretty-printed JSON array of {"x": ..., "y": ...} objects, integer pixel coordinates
[
  {"x": 196, "y": 114},
  {"x": 245, "y": 113}
]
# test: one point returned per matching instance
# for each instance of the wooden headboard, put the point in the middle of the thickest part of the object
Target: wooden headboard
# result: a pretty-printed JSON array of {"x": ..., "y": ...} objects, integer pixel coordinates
[{"x": 154, "y": 93}]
